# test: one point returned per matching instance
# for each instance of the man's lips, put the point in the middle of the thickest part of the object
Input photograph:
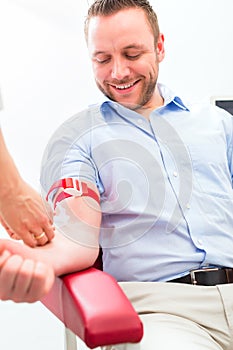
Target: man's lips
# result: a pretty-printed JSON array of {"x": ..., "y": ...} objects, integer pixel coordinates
[{"x": 123, "y": 88}]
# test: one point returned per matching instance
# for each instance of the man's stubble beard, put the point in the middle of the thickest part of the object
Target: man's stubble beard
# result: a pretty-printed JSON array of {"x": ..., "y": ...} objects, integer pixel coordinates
[{"x": 146, "y": 95}]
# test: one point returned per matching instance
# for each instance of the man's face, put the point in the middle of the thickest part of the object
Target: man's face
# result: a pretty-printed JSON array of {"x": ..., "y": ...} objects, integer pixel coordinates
[{"x": 124, "y": 57}]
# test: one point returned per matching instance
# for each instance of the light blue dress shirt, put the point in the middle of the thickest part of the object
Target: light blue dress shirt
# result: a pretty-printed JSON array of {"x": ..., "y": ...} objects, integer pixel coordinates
[{"x": 165, "y": 184}]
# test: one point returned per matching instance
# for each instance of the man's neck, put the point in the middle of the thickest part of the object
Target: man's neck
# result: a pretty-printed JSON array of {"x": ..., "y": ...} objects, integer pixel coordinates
[{"x": 158, "y": 102}]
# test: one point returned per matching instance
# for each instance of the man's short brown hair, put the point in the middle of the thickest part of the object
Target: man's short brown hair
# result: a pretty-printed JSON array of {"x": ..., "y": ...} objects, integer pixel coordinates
[{"x": 110, "y": 7}]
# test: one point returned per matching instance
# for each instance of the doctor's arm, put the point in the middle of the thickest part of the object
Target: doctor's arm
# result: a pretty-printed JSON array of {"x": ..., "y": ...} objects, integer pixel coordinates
[{"x": 22, "y": 212}]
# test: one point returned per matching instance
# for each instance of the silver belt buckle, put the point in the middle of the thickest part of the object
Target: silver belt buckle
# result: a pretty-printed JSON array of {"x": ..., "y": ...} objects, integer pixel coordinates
[{"x": 193, "y": 272}]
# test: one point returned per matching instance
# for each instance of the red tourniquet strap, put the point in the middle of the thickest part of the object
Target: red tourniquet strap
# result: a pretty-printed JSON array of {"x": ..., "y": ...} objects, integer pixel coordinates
[
  {"x": 62, "y": 195},
  {"x": 80, "y": 189}
]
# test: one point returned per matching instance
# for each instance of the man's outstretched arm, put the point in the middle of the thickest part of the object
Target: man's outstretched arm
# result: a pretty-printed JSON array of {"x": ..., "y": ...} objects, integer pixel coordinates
[{"x": 35, "y": 268}]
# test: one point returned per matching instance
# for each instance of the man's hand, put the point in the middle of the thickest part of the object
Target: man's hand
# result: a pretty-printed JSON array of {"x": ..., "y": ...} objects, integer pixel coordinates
[
  {"x": 24, "y": 216},
  {"x": 23, "y": 279}
]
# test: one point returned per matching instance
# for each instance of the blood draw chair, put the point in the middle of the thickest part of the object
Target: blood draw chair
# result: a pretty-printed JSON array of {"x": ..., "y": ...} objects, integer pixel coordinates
[{"x": 93, "y": 307}]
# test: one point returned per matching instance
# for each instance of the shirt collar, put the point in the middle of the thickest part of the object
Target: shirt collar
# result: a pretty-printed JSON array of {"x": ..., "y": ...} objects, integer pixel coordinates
[{"x": 170, "y": 97}]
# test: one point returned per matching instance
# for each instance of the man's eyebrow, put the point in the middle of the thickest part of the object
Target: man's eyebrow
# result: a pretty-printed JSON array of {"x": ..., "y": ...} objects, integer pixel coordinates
[
  {"x": 96, "y": 53},
  {"x": 134, "y": 46}
]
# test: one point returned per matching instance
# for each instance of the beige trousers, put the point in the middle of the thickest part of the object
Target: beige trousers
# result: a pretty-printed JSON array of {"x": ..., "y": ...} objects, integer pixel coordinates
[{"x": 181, "y": 317}]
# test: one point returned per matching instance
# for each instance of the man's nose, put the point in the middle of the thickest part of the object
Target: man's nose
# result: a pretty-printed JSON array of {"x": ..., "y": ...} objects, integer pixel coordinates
[{"x": 120, "y": 69}]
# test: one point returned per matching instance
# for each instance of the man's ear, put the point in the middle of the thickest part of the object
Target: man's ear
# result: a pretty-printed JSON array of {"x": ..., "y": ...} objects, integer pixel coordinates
[{"x": 160, "y": 48}]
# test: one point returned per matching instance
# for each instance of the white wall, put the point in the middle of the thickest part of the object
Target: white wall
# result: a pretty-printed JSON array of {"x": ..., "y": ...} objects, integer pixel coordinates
[
  {"x": 45, "y": 77},
  {"x": 199, "y": 46}
]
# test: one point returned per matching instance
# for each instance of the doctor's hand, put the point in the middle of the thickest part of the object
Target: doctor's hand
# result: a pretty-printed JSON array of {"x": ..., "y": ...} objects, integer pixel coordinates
[{"x": 24, "y": 216}]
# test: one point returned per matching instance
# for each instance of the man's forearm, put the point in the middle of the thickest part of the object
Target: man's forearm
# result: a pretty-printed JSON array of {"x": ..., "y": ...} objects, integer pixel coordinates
[{"x": 62, "y": 254}]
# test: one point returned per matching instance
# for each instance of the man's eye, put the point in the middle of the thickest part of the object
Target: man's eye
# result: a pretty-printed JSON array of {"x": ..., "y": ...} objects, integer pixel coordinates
[
  {"x": 133, "y": 57},
  {"x": 102, "y": 60}
]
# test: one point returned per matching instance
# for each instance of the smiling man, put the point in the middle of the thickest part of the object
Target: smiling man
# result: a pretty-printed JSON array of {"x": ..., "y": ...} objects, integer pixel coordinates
[
  {"x": 126, "y": 58},
  {"x": 149, "y": 179}
]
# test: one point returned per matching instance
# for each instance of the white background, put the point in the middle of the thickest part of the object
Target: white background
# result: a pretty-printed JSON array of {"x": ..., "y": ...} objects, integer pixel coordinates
[{"x": 45, "y": 77}]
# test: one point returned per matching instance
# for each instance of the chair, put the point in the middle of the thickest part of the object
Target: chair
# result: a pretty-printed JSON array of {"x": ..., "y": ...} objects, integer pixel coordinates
[{"x": 93, "y": 307}]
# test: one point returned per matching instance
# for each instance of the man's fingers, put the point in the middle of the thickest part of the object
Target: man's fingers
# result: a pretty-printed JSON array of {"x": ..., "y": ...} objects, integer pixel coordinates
[
  {"x": 43, "y": 279},
  {"x": 8, "y": 274},
  {"x": 4, "y": 255},
  {"x": 23, "y": 280}
]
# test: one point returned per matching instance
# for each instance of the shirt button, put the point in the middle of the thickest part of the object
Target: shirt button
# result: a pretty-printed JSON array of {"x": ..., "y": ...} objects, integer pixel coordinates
[
  {"x": 188, "y": 206},
  {"x": 140, "y": 121},
  {"x": 175, "y": 174},
  {"x": 200, "y": 241}
]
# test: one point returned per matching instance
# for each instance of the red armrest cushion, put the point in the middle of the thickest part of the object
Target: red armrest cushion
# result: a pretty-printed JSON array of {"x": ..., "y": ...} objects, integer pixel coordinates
[{"x": 94, "y": 307}]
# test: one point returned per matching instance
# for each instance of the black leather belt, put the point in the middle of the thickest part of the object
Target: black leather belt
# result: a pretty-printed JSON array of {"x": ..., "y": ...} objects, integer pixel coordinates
[{"x": 207, "y": 277}]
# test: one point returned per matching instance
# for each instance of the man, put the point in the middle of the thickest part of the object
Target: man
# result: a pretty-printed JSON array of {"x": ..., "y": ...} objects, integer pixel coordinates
[
  {"x": 22, "y": 212},
  {"x": 163, "y": 173}
]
